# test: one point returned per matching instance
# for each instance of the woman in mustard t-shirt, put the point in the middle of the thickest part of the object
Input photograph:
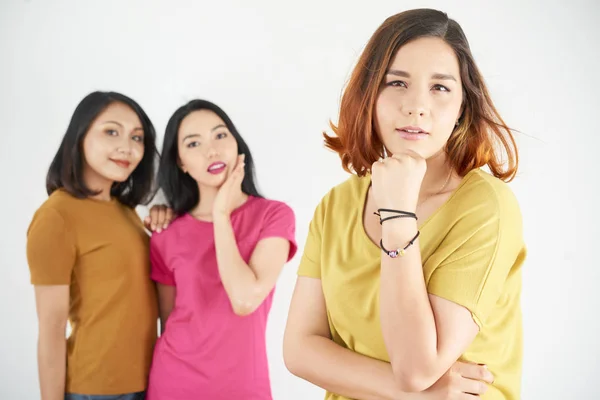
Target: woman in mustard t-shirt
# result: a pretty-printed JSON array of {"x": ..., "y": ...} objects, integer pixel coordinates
[
  {"x": 411, "y": 272},
  {"x": 89, "y": 258}
]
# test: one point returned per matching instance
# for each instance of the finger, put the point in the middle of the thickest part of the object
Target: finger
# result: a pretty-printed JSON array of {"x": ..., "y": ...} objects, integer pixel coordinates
[
  {"x": 473, "y": 387},
  {"x": 467, "y": 396},
  {"x": 169, "y": 217},
  {"x": 475, "y": 371},
  {"x": 147, "y": 221},
  {"x": 153, "y": 214},
  {"x": 162, "y": 217}
]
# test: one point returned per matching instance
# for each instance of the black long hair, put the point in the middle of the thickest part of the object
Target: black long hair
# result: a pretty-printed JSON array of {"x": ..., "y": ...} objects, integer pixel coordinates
[
  {"x": 180, "y": 189},
  {"x": 66, "y": 169}
]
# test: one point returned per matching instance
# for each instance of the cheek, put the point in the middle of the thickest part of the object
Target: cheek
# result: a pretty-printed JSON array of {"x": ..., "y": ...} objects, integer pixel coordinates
[
  {"x": 192, "y": 159},
  {"x": 381, "y": 113},
  {"x": 447, "y": 112},
  {"x": 138, "y": 150},
  {"x": 92, "y": 149}
]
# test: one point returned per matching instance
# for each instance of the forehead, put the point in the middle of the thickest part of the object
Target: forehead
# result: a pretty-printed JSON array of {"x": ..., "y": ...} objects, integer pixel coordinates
[
  {"x": 426, "y": 56},
  {"x": 119, "y": 112},
  {"x": 200, "y": 121}
]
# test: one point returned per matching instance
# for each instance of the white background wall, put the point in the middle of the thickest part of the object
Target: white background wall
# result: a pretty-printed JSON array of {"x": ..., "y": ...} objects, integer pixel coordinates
[{"x": 278, "y": 69}]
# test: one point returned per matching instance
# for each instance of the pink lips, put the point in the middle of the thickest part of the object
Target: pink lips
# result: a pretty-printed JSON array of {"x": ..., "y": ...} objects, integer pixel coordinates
[
  {"x": 216, "y": 167},
  {"x": 412, "y": 133},
  {"x": 122, "y": 163}
]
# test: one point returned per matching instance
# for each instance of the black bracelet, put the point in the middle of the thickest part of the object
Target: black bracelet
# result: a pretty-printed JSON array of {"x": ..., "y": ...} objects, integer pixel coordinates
[
  {"x": 382, "y": 220},
  {"x": 401, "y": 214},
  {"x": 398, "y": 252}
]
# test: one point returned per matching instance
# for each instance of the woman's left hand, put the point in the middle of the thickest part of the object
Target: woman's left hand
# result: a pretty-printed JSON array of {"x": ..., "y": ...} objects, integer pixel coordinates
[
  {"x": 397, "y": 181},
  {"x": 230, "y": 193},
  {"x": 159, "y": 218}
]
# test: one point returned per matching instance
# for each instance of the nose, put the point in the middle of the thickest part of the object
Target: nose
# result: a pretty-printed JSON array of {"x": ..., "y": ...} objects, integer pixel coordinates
[
  {"x": 415, "y": 104},
  {"x": 125, "y": 146},
  {"x": 212, "y": 152}
]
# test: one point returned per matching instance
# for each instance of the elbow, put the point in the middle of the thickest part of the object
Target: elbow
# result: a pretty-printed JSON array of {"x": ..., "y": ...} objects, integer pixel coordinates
[
  {"x": 292, "y": 358},
  {"x": 243, "y": 308},
  {"x": 246, "y": 302},
  {"x": 410, "y": 379},
  {"x": 412, "y": 384}
]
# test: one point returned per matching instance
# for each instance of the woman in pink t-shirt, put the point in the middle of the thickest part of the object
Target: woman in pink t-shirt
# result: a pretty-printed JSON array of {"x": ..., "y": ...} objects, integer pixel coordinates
[{"x": 216, "y": 265}]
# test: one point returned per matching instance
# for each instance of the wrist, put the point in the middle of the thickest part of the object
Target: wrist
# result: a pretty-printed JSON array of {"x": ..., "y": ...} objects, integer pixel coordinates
[{"x": 220, "y": 216}]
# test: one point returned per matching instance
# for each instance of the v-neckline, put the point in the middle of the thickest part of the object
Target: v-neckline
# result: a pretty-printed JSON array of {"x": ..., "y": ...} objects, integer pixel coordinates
[{"x": 365, "y": 192}]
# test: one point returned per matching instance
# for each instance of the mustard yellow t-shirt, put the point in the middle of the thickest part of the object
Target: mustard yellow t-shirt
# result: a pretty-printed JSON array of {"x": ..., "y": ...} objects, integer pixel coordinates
[
  {"x": 472, "y": 250},
  {"x": 99, "y": 249}
]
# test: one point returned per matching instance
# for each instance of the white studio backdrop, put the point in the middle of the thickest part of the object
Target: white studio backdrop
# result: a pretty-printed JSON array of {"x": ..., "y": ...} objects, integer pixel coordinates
[{"x": 278, "y": 69}]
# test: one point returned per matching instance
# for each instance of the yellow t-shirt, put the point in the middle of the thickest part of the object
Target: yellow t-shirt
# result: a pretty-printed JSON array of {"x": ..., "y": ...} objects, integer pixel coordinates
[
  {"x": 472, "y": 250},
  {"x": 99, "y": 249}
]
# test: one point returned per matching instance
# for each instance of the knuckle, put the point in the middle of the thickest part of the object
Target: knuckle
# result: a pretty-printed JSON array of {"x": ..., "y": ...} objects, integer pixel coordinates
[{"x": 482, "y": 387}]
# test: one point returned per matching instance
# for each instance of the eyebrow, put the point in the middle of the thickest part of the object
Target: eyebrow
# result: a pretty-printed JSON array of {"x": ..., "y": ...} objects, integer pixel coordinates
[
  {"x": 139, "y": 128},
  {"x": 191, "y": 135},
  {"x": 404, "y": 74}
]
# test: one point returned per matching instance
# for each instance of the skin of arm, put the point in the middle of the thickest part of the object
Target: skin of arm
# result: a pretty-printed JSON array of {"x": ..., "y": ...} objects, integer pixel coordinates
[
  {"x": 429, "y": 331},
  {"x": 310, "y": 354},
  {"x": 52, "y": 305},
  {"x": 166, "y": 302},
  {"x": 247, "y": 284}
]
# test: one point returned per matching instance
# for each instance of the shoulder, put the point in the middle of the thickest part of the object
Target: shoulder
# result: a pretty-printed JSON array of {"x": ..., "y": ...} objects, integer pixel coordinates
[
  {"x": 56, "y": 208},
  {"x": 269, "y": 209},
  {"x": 175, "y": 230},
  {"x": 485, "y": 194},
  {"x": 347, "y": 194},
  {"x": 484, "y": 200}
]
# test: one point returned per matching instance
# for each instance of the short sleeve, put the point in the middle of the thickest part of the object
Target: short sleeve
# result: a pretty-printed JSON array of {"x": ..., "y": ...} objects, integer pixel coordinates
[
  {"x": 487, "y": 246},
  {"x": 51, "y": 249},
  {"x": 310, "y": 264},
  {"x": 280, "y": 221},
  {"x": 160, "y": 272}
]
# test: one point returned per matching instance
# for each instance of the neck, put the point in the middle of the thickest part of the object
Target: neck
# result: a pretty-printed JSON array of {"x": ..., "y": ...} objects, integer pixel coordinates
[
  {"x": 438, "y": 173},
  {"x": 207, "y": 200},
  {"x": 98, "y": 184}
]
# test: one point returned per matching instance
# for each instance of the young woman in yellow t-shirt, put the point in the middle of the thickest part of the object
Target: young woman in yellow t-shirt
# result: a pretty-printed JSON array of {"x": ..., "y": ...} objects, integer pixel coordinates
[{"x": 410, "y": 275}]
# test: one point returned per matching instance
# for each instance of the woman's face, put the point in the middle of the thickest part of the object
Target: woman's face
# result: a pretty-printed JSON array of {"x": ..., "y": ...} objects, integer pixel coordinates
[
  {"x": 421, "y": 98},
  {"x": 114, "y": 144},
  {"x": 207, "y": 149}
]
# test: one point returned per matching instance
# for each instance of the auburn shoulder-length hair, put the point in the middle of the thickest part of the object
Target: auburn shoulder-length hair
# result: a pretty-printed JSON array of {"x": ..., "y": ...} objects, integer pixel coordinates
[{"x": 481, "y": 138}]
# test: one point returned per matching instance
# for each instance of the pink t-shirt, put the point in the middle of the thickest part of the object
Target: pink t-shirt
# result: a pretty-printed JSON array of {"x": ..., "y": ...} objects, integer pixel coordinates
[{"x": 207, "y": 351}]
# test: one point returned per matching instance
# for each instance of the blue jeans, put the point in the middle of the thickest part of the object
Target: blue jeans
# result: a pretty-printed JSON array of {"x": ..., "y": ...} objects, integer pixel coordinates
[{"x": 126, "y": 396}]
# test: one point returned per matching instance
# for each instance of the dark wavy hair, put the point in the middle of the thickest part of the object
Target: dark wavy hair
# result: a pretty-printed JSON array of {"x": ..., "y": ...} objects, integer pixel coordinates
[
  {"x": 66, "y": 169},
  {"x": 180, "y": 189}
]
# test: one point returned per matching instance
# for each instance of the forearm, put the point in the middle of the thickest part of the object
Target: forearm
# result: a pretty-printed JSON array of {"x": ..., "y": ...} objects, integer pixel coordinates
[
  {"x": 407, "y": 319},
  {"x": 239, "y": 280},
  {"x": 52, "y": 364},
  {"x": 324, "y": 363}
]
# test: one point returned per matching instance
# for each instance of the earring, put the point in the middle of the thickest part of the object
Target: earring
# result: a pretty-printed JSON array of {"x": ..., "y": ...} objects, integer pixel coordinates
[{"x": 457, "y": 122}]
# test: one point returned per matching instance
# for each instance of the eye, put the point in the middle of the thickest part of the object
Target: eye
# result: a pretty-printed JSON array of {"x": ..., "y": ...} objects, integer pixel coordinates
[
  {"x": 111, "y": 132},
  {"x": 397, "y": 84},
  {"x": 440, "y": 88},
  {"x": 138, "y": 138},
  {"x": 192, "y": 144},
  {"x": 221, "y": 135}
]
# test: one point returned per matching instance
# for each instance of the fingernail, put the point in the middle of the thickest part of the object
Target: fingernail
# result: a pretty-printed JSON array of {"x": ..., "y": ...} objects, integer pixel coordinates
[
  {"x": 159, "y": 230},
  {"x": 165, "y": 226},
  {"x": 153, "y": 227}
]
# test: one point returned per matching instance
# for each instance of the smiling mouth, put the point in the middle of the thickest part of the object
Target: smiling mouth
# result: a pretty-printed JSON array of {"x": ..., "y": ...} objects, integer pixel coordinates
[
  {"x": 122, "y": 163},
  {"x": 217, "y": 168}
]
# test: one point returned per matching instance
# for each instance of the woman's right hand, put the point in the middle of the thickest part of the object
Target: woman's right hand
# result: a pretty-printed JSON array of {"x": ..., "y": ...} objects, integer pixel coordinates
[{"x": 462, "y": 382}]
